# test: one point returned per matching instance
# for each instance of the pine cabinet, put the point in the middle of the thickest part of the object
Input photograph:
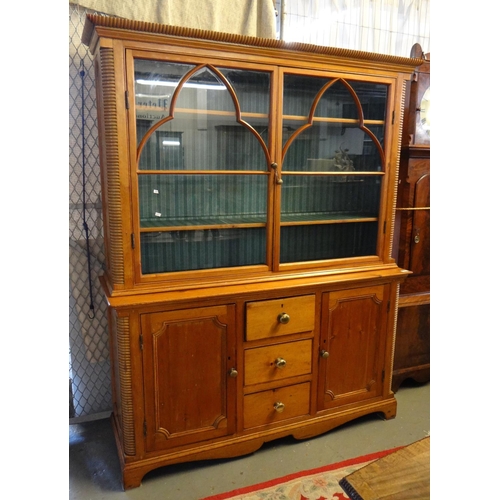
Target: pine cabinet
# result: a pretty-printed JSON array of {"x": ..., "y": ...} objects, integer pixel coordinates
[{"x": 249, "y": 191}]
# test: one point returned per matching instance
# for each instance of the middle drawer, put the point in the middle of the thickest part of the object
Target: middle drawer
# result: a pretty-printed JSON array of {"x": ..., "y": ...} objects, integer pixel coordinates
[{"x": 277, "y": 362}]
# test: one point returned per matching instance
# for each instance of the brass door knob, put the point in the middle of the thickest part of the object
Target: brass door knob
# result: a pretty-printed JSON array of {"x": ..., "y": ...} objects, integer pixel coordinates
[
  {"x": 280, "y": 362},
  {"x": 233, "y": 373},
  {"x": 324, "y": 354},
  {"x": 283, "y": 318},
  {"x": 279, "y": 406}
]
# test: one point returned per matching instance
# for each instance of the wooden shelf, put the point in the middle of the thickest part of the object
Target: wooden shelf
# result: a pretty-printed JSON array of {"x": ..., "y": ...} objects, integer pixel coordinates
[
  {"x": 236, "y": 222},
  {"x": 325, "y": 119}
]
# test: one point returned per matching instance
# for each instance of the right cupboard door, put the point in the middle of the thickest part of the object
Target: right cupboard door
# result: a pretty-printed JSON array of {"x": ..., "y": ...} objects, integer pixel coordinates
[{"x": 353, "y": 337}]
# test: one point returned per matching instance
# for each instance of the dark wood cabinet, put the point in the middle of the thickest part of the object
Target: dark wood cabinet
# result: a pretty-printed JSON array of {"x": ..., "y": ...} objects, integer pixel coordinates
[
  {"x": 412, "y": 349},
  {"x": 249, "y": 196}
]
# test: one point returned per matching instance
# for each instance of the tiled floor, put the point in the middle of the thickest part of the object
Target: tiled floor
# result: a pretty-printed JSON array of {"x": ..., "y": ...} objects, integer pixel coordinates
[{"x": 94, "y": 470}]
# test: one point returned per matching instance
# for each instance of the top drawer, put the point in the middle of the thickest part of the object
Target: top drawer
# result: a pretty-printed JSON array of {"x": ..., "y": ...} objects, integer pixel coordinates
[{"x": 272, "y": 318}]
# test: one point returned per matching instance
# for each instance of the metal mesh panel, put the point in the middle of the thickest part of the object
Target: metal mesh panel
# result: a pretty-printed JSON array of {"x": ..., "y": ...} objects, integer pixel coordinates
[{"x": 89, "y": 365}]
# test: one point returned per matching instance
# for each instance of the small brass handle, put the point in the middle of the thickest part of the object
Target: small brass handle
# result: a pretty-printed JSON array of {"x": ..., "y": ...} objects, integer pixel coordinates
[
  {"x": 324, "y": 354},
  {"x": 274, "y": 166},
  {"x": 417, "y": 239},
  {"x": 283, "y": 318},
  {"x": 233, "y": 372},
  {"x": 279, "y": 406},
  {"x": 280, "y": 362}
]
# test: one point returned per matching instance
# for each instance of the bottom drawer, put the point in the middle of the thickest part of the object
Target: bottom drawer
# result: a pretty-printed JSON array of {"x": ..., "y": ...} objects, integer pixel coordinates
[{"x": 275, "y": 405}]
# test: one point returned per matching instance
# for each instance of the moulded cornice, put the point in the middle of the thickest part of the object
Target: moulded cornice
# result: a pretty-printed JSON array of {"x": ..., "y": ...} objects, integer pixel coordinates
[{"x": 99, "y": 20}]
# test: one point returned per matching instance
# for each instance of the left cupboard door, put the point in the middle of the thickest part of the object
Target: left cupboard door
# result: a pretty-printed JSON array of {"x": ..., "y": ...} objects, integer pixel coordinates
[{"x": 190, "y": 372}]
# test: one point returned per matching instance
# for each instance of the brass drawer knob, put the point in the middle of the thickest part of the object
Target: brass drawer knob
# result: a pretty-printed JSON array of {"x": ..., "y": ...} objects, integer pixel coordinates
[
  {"x": 279, "y": 406},
  {"x": 233, "y": 373},
  {"x": 280, "y": 362},
  {"x": 283, "y": 318},
  {"x": 324, "y": 354}
]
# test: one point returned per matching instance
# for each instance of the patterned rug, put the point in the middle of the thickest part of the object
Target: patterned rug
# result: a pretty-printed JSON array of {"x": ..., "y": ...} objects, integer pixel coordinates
[{"x": 316, "y": 484}]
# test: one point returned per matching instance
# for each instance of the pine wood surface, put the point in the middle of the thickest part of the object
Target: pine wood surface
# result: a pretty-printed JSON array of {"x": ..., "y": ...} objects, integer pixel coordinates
[{"x": 402, "y": 475}]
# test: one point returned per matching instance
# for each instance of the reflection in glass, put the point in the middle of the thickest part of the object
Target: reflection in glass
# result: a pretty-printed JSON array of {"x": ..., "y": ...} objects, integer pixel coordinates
[{"x": 205, "y": 115}]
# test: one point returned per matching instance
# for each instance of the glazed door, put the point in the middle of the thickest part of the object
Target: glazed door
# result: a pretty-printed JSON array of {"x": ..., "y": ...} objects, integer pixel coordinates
[
  {"x": 202, "y": 177},
  {"x": 352, "y": 345},
  {"x": 333, "y": 168},
  {"x": 189, "y": 385}
]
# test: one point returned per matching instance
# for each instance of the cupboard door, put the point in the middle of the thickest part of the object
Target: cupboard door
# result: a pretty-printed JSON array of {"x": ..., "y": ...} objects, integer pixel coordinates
[
  {"x": 420, "y": 240},
  {"x": 333, "y": 164},
  {"x": 352, "y": 345},
  {"x": 203, "y": 177},
  {"x": 189, "y": 394}
]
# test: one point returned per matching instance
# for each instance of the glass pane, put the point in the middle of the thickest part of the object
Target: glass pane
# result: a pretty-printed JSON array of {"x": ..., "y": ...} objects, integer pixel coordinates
[
  {"x": 203, "y": 133},
  {"x": 373, "y": 99},
  {"x": 332, "y": 147},
  {"x": 252, "y": 89},
  {"x": 335, "y": 141},
  {"x": 331, "y": 216},
  {"x": 313, "y": 198},
  {"x": 194, "y": 200},
  {"x": 328, "y": 241},
  {"x": 202, "y": 249},
  {"x": 155, "y": 83},
  {"x": 299, "y": 93},
  {"x": 337, "y": 101}
]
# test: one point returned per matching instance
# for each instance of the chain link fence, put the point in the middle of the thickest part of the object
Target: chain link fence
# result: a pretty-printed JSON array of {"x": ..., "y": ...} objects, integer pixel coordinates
[{"x": 89, "y": 365}]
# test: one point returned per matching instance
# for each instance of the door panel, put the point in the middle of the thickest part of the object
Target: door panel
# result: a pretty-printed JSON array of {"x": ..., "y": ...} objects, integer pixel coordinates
[
  {"x": 353, "y": 335},
  {"x": 420, "y": 241},
  {"x": 187, "y": 356}
]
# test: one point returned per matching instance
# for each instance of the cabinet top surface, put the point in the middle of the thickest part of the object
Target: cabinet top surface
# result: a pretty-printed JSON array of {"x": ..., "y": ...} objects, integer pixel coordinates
[{"x": 127, "y": 29}]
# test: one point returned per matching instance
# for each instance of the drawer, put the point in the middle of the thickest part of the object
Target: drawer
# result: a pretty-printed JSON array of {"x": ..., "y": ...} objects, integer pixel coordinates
[
  {"x": 268, "y": 407},
  {"x": 272, "y": 318},
  {"x": 276, "y": 362}
]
